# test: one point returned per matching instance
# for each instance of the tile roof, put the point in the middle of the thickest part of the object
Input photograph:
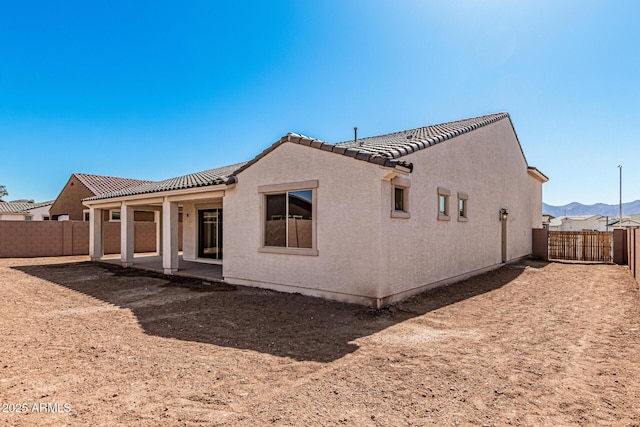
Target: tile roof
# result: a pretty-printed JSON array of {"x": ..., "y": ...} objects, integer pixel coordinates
[
  {"x": 398, "y": 144},
  {"x": 20, "y": 207},
  {"x": 384, "y": 150},
  {"x": 200, "y": 179},
  {"x": 99, "y": 184},
  {"x": 387, "y": 150}
]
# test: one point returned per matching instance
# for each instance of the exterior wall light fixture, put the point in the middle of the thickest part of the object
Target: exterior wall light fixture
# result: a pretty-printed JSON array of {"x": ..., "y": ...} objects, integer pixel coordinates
[{"x": 504, "y": 214}]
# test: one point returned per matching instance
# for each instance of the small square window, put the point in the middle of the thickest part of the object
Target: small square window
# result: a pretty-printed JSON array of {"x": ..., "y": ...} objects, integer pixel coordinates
[
  {"x": 27, "y": 218},
  {"x": 462, "y": 207},
  {"x": 400, "y": 186},
  {"x": 398, "y": 201},
  {"x": 115, "y": 216},
  {"x": 443, "y": 204}
]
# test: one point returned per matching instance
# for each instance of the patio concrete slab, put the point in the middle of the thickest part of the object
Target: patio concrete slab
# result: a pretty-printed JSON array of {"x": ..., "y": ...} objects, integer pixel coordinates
[{"x": 196, "y": 270}]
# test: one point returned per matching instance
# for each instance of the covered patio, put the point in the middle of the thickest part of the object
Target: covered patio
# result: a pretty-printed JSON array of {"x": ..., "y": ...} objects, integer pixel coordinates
[
  {"x": 153, "y": 262},
  {"x": 195, "y": 201}
]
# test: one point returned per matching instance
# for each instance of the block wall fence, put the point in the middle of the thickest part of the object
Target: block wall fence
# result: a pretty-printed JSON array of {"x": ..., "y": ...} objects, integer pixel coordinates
[{"x": 27, "y": 239}]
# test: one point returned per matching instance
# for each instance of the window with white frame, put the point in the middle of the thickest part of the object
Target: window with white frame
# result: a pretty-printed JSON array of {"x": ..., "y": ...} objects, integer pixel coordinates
[
  {"x": 400, "y": 197},
  {"x": 114, "y": 215},
  {"x": 443, "y": 203},
  {"x": 85, "y": 215},
  {"x": 289, "y": 223},
  {"x": 462, "y": 207}
]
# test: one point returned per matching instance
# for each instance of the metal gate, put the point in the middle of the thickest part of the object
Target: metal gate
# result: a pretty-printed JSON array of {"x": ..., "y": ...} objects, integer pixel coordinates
[{"x": 581, "y": 245}]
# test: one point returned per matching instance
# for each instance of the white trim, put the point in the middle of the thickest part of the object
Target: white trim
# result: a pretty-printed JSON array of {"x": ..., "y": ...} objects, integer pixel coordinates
[
  {"x": 400, "y": 214},
  {"x": 112, "y": 211},
  {"x": 291, "y": 186},
  {"x": 537, "y": 174},
  {"x": 288, "y": 251}
]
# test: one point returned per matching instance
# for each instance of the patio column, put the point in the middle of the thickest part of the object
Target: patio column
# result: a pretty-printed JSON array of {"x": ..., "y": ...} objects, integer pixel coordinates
[
  {"x": 96, "y": 248},
  {"x": 126, "y": 235},
  {"x": 169, "y": 237},
  {"x": 157, "y": 218}
]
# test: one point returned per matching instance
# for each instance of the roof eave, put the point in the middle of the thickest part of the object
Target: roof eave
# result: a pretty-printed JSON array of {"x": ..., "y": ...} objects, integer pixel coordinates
[
  {"x": 533, "y": 171},
  {"x": 97, "y": 200}
]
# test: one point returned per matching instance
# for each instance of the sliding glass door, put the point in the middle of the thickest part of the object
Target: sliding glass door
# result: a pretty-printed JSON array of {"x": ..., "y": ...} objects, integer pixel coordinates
[{"x": 210, "y": 233}]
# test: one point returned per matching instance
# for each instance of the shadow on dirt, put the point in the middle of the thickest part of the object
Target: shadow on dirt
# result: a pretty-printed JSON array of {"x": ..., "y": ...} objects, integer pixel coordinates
[{"x": 286, "y": 325}]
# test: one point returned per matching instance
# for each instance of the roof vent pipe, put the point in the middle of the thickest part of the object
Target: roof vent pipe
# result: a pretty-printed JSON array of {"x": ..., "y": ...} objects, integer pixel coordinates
[{"x": 355, "y": 134}]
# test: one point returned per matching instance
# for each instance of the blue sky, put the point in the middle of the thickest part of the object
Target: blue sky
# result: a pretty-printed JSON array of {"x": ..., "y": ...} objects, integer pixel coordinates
[{"x": 153, "y": 89}]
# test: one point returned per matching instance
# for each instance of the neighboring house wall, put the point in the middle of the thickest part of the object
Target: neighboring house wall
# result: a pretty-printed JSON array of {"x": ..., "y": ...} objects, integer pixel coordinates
[
  {"x": 12, "y": 216},
  {"x": 60, "y": 238},
  {"x": 580, "y": 224},
  {"x": 141, "y": 216},
  {"x": 69, "y": 200},
  {"x": 38, "y": 214}
]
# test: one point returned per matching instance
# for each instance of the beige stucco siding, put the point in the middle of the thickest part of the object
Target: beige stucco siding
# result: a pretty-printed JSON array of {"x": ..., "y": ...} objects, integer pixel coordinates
[
  {"x": 348, "y": 226},
  {"x": 488, "y": 166}
]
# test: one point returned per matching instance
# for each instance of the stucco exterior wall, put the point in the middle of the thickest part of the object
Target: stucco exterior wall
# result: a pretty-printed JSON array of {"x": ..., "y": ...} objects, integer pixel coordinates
[
  {"x": 38, "y": 214},
  {"x": 69, "y": 200},
  {"x": 364, "y": 254},
  {"x": 12, "y": 217},
  {"x": 589, "y": 224},
  {"x": 487, "y": 165},
  {"x": 348, "y": 226}
]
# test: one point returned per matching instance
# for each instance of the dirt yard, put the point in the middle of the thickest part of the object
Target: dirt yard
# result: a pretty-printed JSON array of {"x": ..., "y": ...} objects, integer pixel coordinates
[{"x": 532, "y": 344}]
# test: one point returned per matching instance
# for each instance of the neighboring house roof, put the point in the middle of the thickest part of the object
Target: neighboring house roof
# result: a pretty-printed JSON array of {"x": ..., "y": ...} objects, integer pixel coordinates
[
  {"x": 559, "y": 220},
  {"x": 625, "y": 223},
  {"x": 99, "y": 184},
  {"x": 385, "y": 150},
  {"x": 555, "y": 222},
  {"x": 200, "y": 179},
  {"x": 581, "y": 217},
  {"x": 21, "y": 207}
]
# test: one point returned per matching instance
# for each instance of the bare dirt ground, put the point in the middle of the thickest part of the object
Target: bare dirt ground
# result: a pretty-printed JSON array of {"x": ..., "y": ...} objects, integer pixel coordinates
[{"x": 531, "y": 344}]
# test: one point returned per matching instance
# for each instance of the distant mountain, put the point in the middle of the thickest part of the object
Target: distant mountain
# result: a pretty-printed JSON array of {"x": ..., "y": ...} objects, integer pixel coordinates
[{"x": 576, "y": 208}]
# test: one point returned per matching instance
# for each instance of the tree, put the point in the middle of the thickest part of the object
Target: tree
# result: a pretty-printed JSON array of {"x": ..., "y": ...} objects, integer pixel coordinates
[{"x": 3, "y": 191}]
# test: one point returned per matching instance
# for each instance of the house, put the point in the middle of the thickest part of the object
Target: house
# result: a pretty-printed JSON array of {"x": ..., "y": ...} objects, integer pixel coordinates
[
  {"x": 546, "y": 220},
  {"x": 575, "y": 223},
  {"x": 22, "y": 210},
  {"x": 369, "y": 221},
  {"x": 68, "y": 205},
  {"x": 614, "y": 222}
]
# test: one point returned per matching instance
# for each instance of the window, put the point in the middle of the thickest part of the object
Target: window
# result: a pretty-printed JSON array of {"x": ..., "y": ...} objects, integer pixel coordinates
[
  {"x": 398, "y": 201},
  {"x": 443, "y": 203},
  {"x": 27, "y": 218},
  {"x": 114, "y": 215},
  {"x": 462, "y": 207},
  {"x": 86, "y": 215},
  {"x": 400, "y": 197},
  {"x": 289, "y": 218}
]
